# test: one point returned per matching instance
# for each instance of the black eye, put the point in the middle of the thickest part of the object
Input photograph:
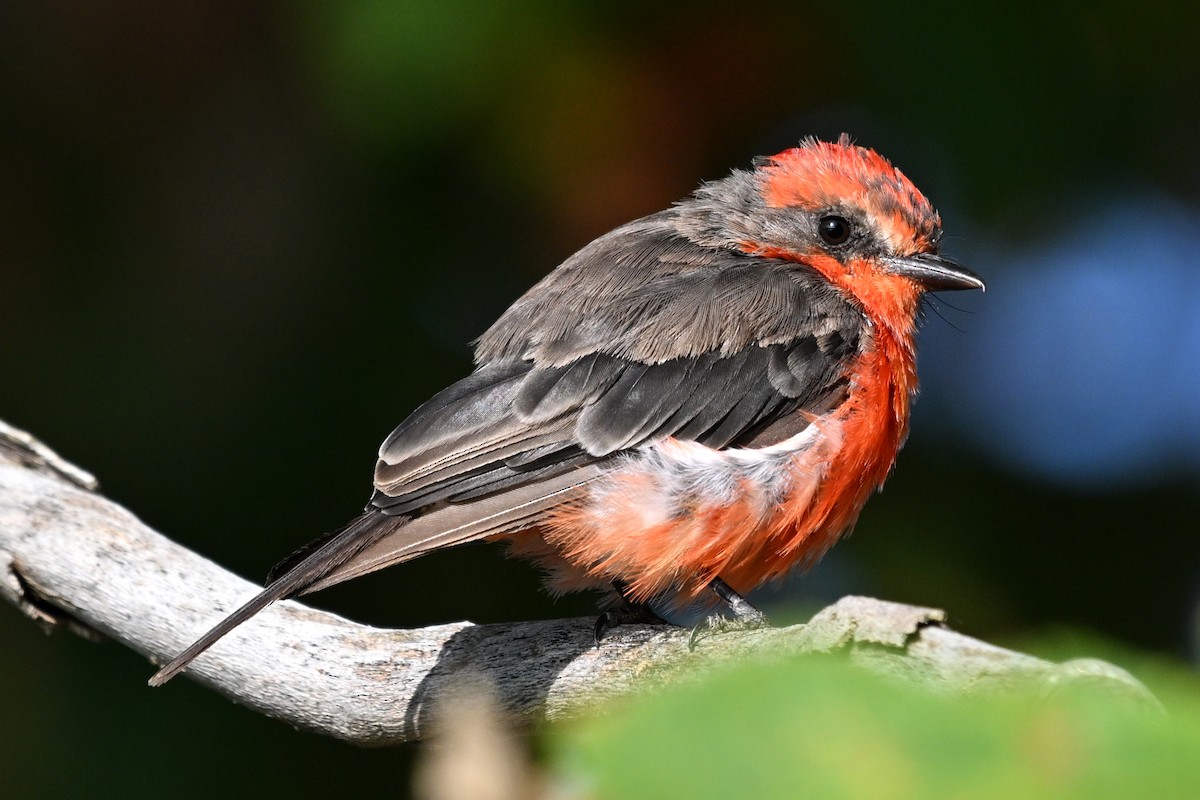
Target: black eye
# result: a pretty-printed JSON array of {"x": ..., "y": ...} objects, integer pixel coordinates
[{"x": 834, "y": 230}]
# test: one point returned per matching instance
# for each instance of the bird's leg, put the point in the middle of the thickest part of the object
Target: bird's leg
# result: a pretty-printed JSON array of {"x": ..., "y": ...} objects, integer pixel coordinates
[
  {"x": 744, "y": 614},
  {"x": 625, "y": 612}
]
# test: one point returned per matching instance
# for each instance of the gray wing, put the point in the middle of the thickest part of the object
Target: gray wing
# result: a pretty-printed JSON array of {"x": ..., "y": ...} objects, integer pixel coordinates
[{"x": 507, "y": 427}]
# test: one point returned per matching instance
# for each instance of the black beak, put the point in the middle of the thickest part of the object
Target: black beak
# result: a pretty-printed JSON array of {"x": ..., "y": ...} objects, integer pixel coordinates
[{"x": 935, "y": 273}]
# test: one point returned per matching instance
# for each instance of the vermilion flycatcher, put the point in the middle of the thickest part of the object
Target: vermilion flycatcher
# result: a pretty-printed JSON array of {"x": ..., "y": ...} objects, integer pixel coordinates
[{"x": 701, "y": 399}]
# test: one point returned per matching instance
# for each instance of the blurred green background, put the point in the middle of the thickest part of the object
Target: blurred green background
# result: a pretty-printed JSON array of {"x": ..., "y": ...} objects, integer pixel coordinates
[{"x": 239, "y": 241}]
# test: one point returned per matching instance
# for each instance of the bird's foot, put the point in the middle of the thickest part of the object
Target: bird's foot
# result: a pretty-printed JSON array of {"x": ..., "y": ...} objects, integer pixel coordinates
[
  {"x": 745, "y": 616},
  {"x": 625, "y": 614},
  {"x": 719, "y": 623}
]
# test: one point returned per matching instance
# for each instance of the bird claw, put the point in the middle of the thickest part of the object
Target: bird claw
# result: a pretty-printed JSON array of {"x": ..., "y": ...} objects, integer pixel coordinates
[{"x": 747, "y": 619}]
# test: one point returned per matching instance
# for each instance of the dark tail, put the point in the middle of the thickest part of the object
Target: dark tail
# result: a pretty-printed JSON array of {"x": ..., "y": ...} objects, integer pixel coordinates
[{"x": 332, "y": 551}]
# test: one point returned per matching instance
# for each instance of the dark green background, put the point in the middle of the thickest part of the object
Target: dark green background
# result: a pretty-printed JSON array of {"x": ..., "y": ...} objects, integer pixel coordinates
[{"x": 239, "y": 241}]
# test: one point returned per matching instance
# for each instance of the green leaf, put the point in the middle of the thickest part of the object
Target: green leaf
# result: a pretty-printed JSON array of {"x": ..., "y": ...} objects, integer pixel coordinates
[{"x": 818, "y": 727}]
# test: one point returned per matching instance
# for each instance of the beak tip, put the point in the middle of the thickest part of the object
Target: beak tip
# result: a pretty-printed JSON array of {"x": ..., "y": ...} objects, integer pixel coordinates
[
  {"x": 938, "y": 274},
  {"x": 974, "y": 282}
]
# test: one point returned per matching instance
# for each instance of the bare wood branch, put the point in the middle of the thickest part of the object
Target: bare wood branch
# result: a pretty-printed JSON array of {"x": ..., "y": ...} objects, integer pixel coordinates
[{"x": 69, "y": 557}]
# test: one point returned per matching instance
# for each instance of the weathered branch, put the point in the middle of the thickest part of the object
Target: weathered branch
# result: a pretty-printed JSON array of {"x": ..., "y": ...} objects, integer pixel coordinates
[{"x": 70, "y": 557}]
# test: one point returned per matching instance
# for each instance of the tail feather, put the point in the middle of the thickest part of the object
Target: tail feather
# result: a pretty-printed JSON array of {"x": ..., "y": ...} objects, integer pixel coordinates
[
  {"x": 454, "y": 524},
  {"x": 336, "y": 550}
]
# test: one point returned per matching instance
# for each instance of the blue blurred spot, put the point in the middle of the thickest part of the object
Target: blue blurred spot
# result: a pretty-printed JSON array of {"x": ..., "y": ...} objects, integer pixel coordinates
[{"x": 1082, "y": 361}]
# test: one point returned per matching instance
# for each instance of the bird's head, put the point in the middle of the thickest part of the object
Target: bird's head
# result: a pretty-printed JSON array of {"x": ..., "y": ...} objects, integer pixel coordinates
[
  {"x": 842, "y": 210},
  {"x": 846, "y": 211}
]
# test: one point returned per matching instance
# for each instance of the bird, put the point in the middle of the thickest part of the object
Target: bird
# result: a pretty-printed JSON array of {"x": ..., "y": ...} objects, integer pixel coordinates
[{"x": 699, "y": 401}]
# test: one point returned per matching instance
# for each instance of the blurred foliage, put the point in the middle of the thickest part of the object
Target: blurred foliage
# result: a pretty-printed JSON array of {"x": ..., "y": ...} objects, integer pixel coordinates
[
  {"x": 820, "y": 728},
  {"x": 239, "y": 241}
]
